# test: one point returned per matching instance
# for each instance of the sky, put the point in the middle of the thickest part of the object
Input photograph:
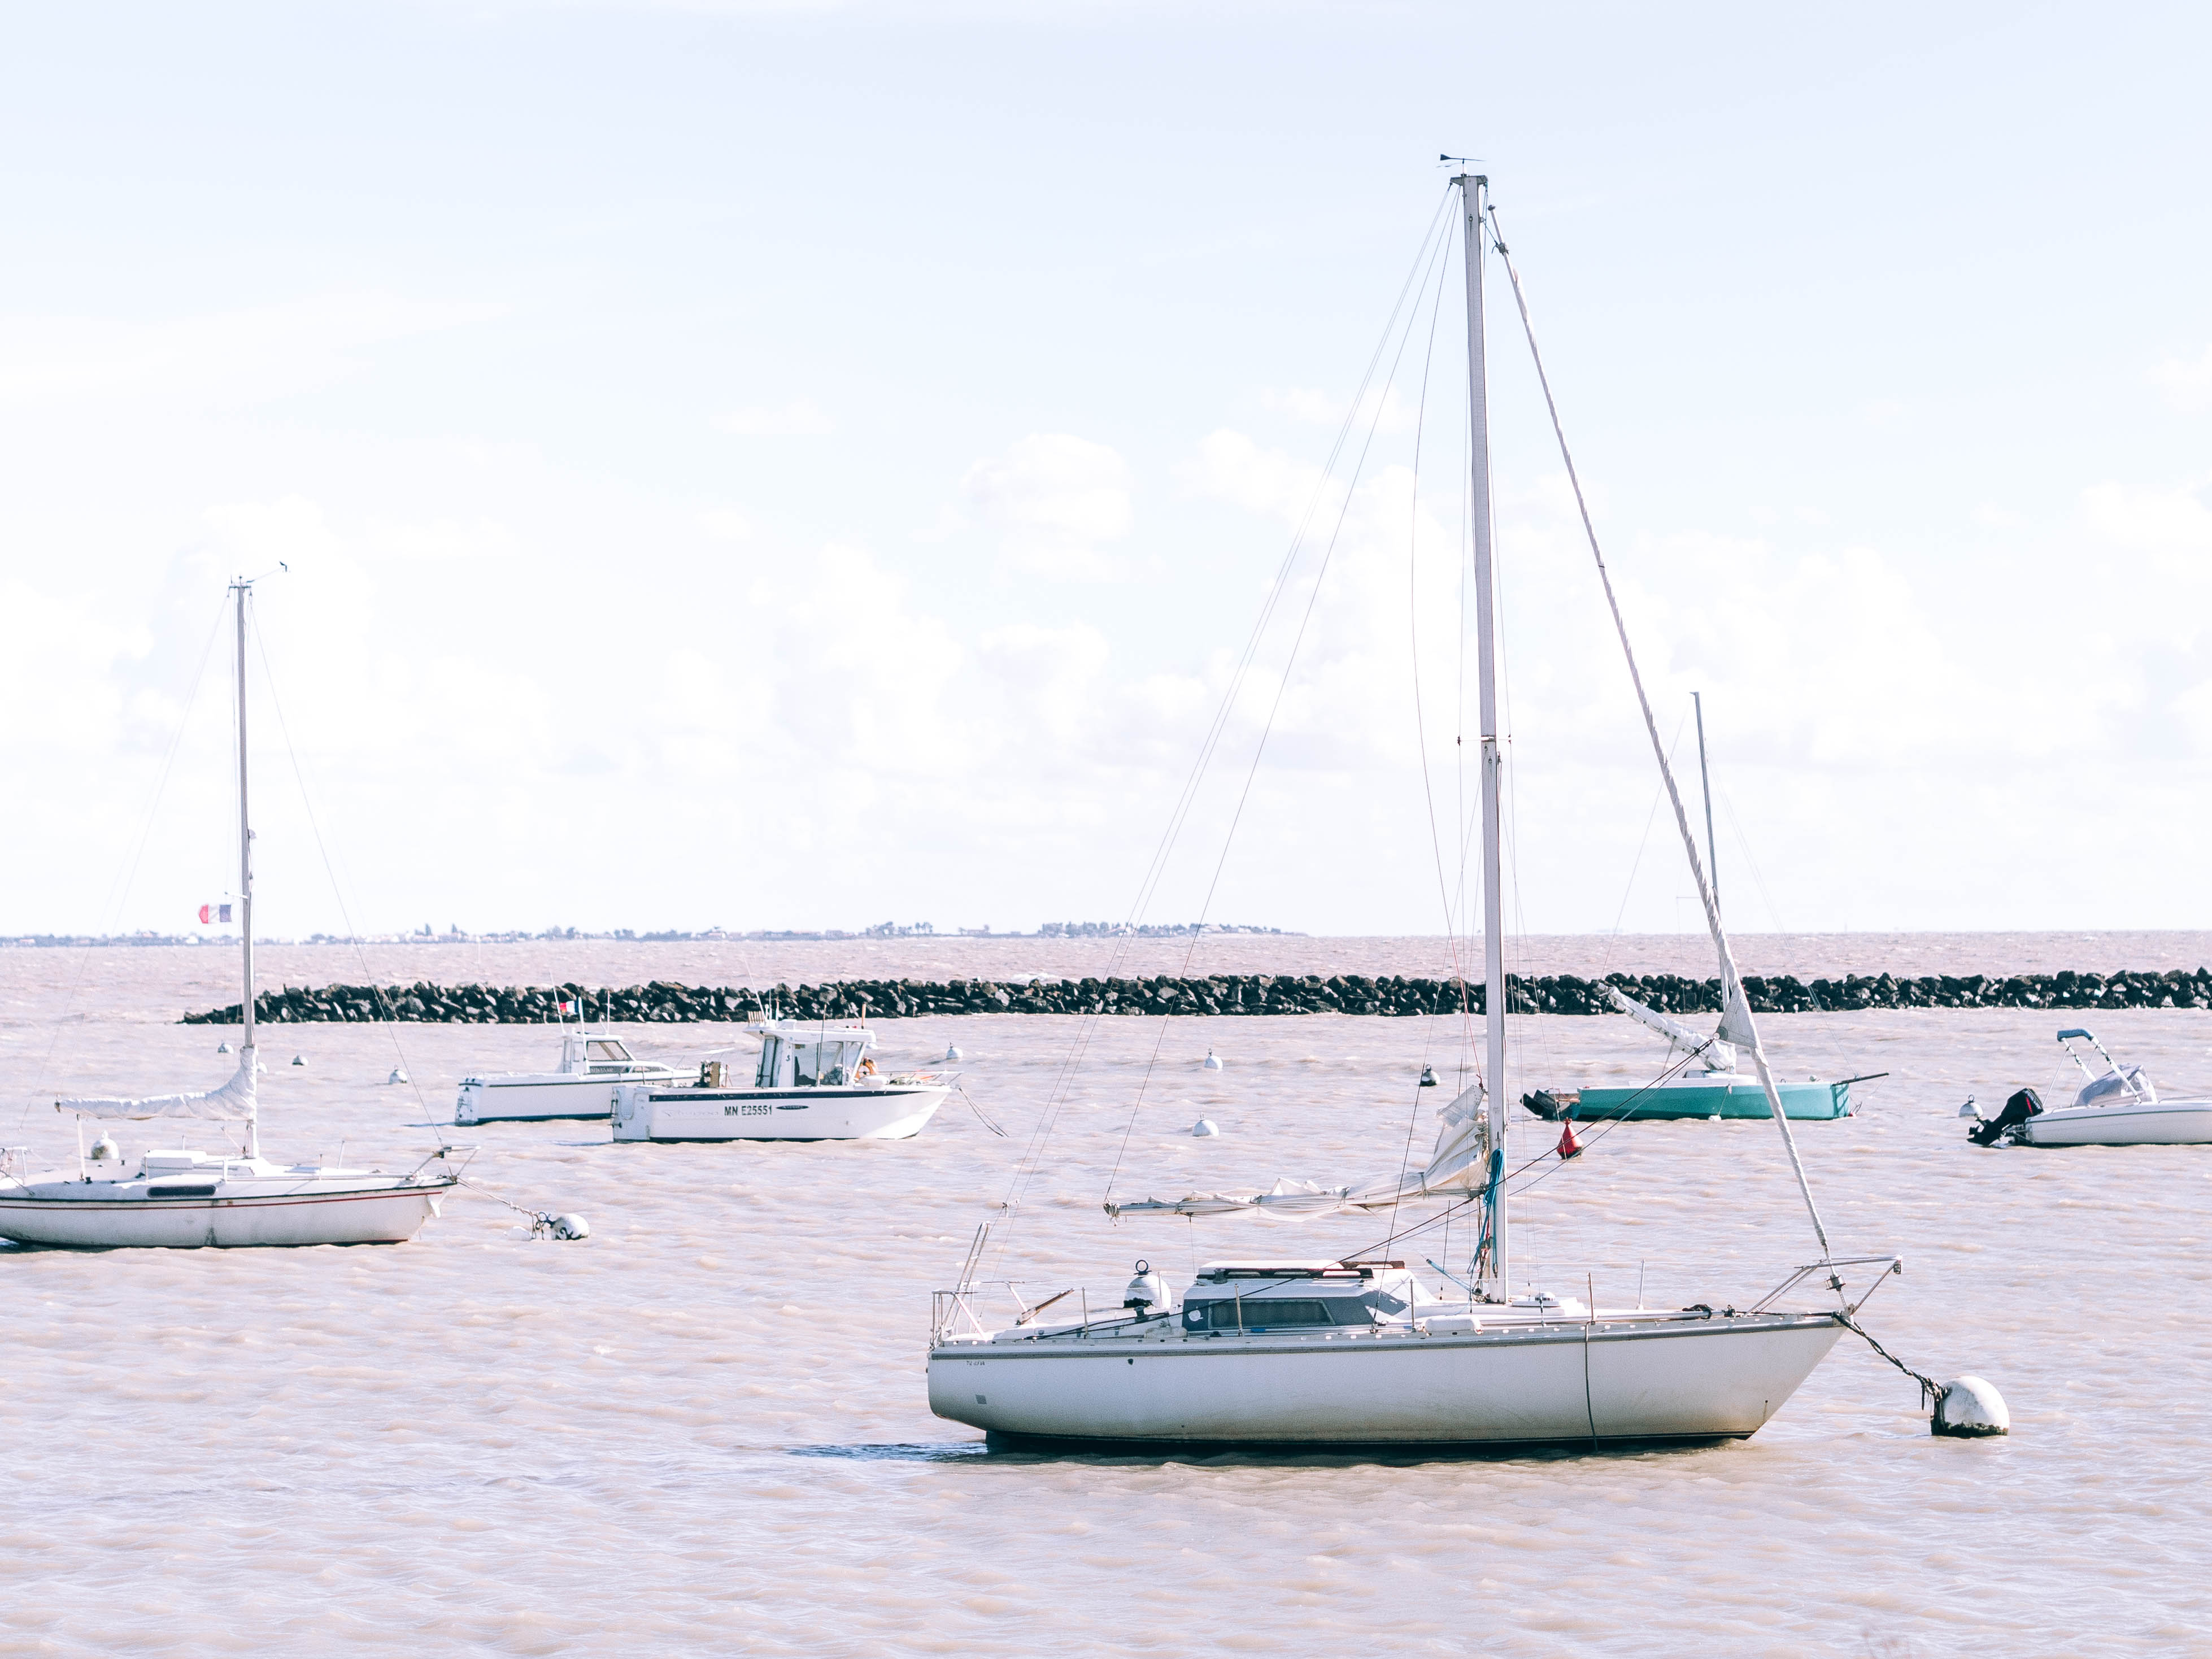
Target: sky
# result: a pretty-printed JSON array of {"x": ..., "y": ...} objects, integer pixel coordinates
[{"x": 803, "y": 466}]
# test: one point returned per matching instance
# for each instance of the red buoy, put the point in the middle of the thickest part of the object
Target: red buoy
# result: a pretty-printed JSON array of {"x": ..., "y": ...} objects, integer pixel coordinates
[{"x": 1569, "y": 1147}]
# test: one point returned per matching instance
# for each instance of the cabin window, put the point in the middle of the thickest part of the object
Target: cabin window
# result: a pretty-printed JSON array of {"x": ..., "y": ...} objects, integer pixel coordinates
[
  {"x": 605, "y": 1049},
  {"x": 1273, "y": 1313}
]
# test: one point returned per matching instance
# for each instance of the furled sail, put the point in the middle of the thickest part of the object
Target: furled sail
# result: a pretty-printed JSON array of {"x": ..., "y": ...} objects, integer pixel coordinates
[
  {"x": 233, "y": 1101},
  {"x": 1459, "y": 1165},
  {"x": 1718, "y": 1056}
]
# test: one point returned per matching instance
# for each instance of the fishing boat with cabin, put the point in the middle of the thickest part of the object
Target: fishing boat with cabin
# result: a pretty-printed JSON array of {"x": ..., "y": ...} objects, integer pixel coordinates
[{"x": 813, "y": 1080}]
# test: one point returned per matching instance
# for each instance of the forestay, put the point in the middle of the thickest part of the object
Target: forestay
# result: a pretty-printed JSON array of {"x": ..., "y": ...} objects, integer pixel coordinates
[
  {"x": 1459, "y": 1165},
  {"x": 232, "y": 1103}
]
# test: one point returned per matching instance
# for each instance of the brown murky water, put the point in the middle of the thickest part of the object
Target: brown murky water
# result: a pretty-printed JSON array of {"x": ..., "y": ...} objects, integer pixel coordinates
[{"x": 704, "y": 1429}]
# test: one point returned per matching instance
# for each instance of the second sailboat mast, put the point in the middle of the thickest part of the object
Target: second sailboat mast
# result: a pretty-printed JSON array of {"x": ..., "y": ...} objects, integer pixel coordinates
[
  {"x": 246, "y": 1061},
  {"x": 1472, "y": 187}
]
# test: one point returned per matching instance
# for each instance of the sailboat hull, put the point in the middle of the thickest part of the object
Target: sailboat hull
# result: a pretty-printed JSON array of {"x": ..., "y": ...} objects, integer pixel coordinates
[
  {"x": 382, "y": 1215},
  {"x": 1667, "y": 1103},
  {"x": 1572, "y": 1381}
]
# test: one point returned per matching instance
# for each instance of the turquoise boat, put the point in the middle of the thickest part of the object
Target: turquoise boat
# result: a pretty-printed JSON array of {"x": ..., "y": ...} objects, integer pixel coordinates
[
  {"x": 1704, "y": 1095},
  {"x": 1715, "y": 1090}
]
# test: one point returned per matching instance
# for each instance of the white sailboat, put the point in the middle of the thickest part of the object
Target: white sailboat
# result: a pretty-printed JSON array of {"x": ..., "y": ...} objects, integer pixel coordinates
[
  {"x": 1361, "y": 1352},
  {"x": 187, "y": 1198}
]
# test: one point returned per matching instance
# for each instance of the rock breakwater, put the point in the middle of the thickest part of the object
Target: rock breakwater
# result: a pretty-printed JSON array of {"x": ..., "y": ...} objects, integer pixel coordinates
[{"x": 663, "y": 1002}]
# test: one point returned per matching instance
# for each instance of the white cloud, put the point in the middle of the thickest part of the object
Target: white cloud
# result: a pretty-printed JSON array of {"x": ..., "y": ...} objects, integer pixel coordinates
[
  {"x": 1231, "y": 467},
  {"x": 2187, "y": 384},
  {"x": 726, "y": 524},
  {"x": 803, "y": 418},
  {"x": 1054, "y": 499},
  {"x": 1385, "y": 409},
  {"x": 228, "y": 358}
]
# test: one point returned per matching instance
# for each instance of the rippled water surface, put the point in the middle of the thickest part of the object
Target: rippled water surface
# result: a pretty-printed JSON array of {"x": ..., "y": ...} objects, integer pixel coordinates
[{"x": 704, "y": 1429}]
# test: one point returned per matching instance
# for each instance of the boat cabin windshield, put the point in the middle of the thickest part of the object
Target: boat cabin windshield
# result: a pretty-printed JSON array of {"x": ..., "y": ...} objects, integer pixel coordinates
[
  {"x": 593, "y": 1056},
  {"x": 809, "y": 1059}
]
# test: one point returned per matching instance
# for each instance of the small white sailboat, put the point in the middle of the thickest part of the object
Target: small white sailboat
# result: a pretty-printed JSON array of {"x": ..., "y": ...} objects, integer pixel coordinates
[
  {"x": 593, "y": 1065},
  {"x": 187, "y": 1198},
  {"x": 1361, "y": 1350},
  {"x": 813, "y": 1081},
  {"x": 2119, "y": 1106}
]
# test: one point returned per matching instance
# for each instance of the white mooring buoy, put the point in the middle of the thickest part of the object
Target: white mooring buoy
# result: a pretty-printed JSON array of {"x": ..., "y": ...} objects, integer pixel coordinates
[
  {"x": 1212, "y": 1062},
  {"x": 397, "y": 1075},
  {"x": 571, "y": 1227},
  {"x": 1971, "y": 1410},
  {"x": 223, "y": 1047},
  {"x": 104, "y": 1150},
  {"x": 299, "y": 1060},
  {"x": 1205, "y": 1127},
  {"x": 951, "y": 1053}
]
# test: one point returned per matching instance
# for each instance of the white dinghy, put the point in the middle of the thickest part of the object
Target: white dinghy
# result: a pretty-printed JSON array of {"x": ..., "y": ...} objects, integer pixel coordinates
[
  {"x": 593, "y": 1065},
  {"x": 187, "y": 1198},
  {"x": 1361, "y": 1352},
  {"x": 814, "y": 1081},
  {"x": 2117, "y": 1107}
]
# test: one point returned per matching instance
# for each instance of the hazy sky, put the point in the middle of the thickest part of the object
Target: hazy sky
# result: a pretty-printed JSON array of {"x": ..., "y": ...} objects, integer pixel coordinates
[{"x": 801, "y": 466}]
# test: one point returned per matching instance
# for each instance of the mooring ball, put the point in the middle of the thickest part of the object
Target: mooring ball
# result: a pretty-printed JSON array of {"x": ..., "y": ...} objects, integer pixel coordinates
[
  {"x": 571, "y": 1227},
  {"x": 1971, "y": 1410},
  {"x": 1205, "y": 1127},
  {"x": 104, "y": 1149}
]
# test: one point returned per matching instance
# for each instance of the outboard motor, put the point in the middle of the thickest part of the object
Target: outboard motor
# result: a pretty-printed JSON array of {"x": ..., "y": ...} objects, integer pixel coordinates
[
  {"x": 1147, "y": 1295},
  {"x": 2023, "y": 1106}
]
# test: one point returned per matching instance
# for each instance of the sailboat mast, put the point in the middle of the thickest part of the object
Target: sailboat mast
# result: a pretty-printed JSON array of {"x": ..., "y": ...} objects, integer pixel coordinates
[
  {"x": 1471, "y": 190},
  {"x": 247, "y": 1062},
  {"x": 1705, "y": 782}
]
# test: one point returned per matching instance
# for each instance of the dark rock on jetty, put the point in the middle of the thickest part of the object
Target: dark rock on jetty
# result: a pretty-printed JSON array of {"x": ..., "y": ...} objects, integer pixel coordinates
[{"x": 1223, "y": 993}]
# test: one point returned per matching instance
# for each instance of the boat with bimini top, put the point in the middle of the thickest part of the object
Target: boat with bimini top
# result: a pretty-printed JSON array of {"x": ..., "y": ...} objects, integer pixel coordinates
[{"x": 2119, "y": 1106}]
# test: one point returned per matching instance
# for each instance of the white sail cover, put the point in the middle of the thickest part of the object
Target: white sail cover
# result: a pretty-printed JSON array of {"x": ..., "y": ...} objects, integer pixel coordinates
[
  {"x": 1458, "y": 1165},
  {"x": 232, "y": 1102},
  {"x": 1719, "y": 1055}
]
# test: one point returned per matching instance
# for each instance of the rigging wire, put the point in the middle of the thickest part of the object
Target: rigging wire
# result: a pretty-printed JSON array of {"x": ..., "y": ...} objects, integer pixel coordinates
[
  {"x": 322, "y": 847},
  {"x": 1426, "y": 265},
  {"x": 1651, "y": 727},
  {"x": 1057, "y": 1098}
]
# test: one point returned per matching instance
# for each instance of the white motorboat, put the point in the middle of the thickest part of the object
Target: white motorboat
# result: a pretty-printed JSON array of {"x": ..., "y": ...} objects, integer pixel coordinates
[
  {"x": 2117, "y": 1107},
  {"x": 187, "y": 1198},
  {"x": 1360, "y": 1352},
  {"x": 593, "y": 1065},
  {"x": 813, "y": 1081}
]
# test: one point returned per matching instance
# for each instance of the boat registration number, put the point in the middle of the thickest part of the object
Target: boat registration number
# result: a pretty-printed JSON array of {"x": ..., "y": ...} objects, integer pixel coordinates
[{"x": 747, "y": 1108}]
